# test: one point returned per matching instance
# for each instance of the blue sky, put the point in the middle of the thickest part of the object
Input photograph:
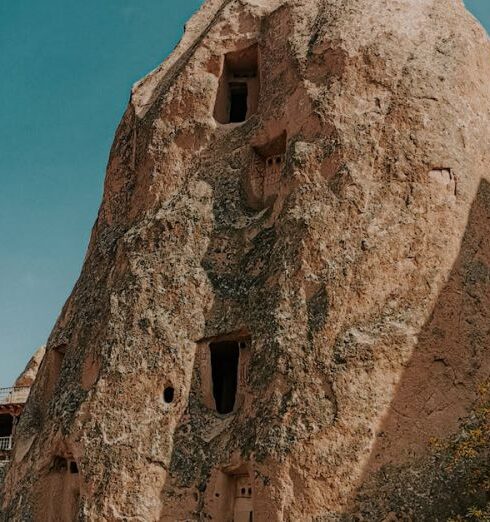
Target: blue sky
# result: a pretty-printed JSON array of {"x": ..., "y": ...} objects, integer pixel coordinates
[{"x": 66, "y": 70}]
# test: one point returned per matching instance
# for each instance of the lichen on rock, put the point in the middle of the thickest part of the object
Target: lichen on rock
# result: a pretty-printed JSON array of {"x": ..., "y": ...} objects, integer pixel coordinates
[{"x": 285, "y": 297}]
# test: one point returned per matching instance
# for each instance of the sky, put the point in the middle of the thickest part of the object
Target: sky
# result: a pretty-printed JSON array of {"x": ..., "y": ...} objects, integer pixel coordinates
[{"x": 66, "y": 70}]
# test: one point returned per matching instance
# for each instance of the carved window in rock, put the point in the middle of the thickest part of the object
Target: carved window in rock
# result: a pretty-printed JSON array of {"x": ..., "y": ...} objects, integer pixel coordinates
[
  {"x": 224, "y": 364},
  {"x": 444, "y": 180},
  {"x": 59, "y": 491},
  {"x": 168, "y": 394},
  {"x": 6, "y": 431},
  {"x": 230, "y": 495},
  {"x": 58, "y": 358},
  {"x": 225, "y": 357},
  {"x": 272, "y": 175},
  {"x": 54, "y": 362},
  {"x": 238, "y": 91},
  {"x": 243, "y": 504},
  {"x": 238, "y": 102},
  {"x": 263, "y": 183}
]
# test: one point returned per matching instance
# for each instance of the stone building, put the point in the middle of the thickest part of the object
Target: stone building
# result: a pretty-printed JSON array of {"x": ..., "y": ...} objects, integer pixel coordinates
[
  {"x": 12, "y": 401},
  {"x": 283, "y": 312}
]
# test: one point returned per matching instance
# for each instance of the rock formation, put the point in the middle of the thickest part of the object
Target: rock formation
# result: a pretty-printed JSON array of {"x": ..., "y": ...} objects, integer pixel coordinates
[
  {"x": 283, "y": 314},
  {"x": 12, "y": 401},
  {"x": 28, "y": 376}
]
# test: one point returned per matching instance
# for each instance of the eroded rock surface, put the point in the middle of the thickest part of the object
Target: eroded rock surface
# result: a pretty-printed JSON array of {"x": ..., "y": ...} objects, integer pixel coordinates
[
  {"x": 286, "y": 293},
  {"x": 28, "y": 376}
]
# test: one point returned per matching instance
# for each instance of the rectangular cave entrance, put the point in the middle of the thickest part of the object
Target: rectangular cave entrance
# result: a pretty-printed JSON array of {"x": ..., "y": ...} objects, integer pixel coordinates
[
  {"x": 230, "y": 495},
  {"x": 238, "y": 91},
  {"x": 6, "y": 425},
  {"x": 238, "y": 102},
  {"x": 59, "y": 491},
  {"x": 225, "y": 358},
  {"x": 54, "y": 361},
  {"x": 6, "y": 432},
  {"x": 265, "y": 177},
  {"x": 243, "y": 505}
]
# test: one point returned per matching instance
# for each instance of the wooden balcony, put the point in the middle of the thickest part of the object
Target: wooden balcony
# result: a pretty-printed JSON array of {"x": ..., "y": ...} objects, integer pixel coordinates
[
  {"x": 12, "y": 400},
  {"x": 14, "y": 395}
]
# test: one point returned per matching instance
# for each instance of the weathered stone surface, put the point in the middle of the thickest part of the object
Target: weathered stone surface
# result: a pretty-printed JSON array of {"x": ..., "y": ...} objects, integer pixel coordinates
[
  {"x": 28, "y": 376},
  {"x": 339, "y": 237}
]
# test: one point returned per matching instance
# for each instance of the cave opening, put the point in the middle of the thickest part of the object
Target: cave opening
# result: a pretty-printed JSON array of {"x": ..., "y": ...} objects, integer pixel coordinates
[
  {"x": 243, "y": 505},
  {"x": 237, "y": 96},
  {"x": 168, "y": 394},
  {"x": 225, "y": 358},
  {"x": 6, "y": 425},
  {"x": 238, "y": 102},
  {"x": 59, "y": 491}
]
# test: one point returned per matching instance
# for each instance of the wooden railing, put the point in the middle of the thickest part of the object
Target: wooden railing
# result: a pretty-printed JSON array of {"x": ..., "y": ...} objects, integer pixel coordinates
[
  {"x": 5, "y": 444},
  {"x": 14, "y": 395}
]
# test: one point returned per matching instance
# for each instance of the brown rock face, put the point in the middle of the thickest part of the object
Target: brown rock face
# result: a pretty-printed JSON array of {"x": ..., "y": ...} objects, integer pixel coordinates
[{"x": 286, "y": 295}]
